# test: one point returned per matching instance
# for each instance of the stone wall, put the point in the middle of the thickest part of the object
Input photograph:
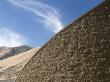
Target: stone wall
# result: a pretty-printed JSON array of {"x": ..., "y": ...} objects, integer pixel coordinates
[{"x": 79, "y": 53}]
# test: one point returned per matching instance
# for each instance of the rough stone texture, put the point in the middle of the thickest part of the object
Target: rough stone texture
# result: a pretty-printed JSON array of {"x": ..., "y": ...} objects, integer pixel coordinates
[{"x": 79, "y": 53}]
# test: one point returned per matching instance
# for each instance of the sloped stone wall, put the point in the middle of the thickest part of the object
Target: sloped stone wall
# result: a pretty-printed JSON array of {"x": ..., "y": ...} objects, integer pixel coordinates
[{"x": 79, "y": 53}]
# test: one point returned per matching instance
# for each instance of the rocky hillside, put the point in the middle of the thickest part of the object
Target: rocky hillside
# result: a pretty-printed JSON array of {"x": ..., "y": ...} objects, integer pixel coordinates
[
  {"x": 11, "y": 67},
  {"x": 6, "y": 52}
]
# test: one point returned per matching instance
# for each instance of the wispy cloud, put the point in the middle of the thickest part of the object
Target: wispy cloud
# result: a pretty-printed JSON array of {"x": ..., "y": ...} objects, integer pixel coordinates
[
  {"x": 48, "y": 15},
  {"x": 10, "y": 38}
]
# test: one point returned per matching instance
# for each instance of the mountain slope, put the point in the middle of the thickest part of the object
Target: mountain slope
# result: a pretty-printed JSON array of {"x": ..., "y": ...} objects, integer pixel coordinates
[
  {"x": 6, "y": 52},
  {"x": 10, "y": 67}
]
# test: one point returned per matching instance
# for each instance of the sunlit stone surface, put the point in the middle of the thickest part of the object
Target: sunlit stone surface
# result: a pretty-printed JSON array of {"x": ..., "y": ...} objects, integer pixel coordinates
[{"x": 79, "y": 53}]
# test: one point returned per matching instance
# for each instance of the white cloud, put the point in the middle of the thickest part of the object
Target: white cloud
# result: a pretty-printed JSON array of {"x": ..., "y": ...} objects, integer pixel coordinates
[
  {"x": 48, "y": 16},
  {"x": 10, "y": 38}
]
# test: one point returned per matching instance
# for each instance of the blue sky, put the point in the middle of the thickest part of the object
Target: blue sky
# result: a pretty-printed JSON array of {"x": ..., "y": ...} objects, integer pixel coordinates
[{"x": 34, "y": 22}]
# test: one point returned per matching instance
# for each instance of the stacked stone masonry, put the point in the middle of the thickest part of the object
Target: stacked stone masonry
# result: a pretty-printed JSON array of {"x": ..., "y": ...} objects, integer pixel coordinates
[{"x": 79, "y": 53}]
